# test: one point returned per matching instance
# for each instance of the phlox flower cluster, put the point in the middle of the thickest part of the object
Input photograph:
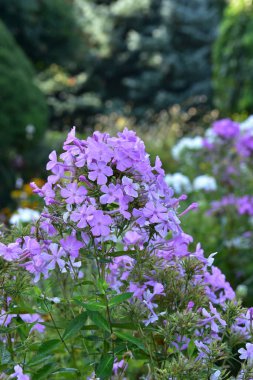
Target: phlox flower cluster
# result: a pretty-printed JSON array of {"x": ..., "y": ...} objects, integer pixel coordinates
[
  {"x": 104, "y": 198},
  {"x": 225, "y": 157}
]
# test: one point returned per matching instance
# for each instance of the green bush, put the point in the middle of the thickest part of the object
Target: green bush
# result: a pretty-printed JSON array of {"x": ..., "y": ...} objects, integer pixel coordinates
[
  {"x": 233, "y": 59},
  {"x": 23, "y": 116},
  {"x": 46, "y": 30}
]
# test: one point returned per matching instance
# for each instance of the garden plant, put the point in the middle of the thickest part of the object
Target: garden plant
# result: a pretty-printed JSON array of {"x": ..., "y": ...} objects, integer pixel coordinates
[
  {"x": 216, "y": 170},
  {"x": 107, "y": 285}
]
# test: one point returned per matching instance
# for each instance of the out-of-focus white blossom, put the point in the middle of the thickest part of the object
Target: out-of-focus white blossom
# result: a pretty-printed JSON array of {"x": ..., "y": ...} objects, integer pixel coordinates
[
  {"x": 179, "y": 182},
  {"x": 186, "y": 143},
  {"x": 247, "y": 125},
  {"x": 24, "y": 215},
  {"x": 204, "y": 182},
  {"x": 210, "y": 136},
  {"x": 215, "y": 375}
]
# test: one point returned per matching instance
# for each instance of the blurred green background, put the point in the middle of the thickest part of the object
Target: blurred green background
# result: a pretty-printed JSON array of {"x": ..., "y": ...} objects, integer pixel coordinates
[{"x": 163, "y": 67}]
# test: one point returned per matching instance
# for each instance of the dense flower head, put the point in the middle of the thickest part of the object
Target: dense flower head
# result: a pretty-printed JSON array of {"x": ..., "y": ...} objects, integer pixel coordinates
[
  {"x": 98, "y": 184},
  {"x": 226, "y": 128}
]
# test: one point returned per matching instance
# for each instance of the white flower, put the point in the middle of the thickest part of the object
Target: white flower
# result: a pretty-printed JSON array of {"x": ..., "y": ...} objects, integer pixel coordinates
[
  {"x": 179, "y": 182},
  {"x": 247, "y": 125},
  {"x": 186, "y": 143},
  {"x": 24, "y": 215},
  {"x": 215, "y": 375},
  {"x": 211, "y": 136},
  {"x": 204, "y": 182}
]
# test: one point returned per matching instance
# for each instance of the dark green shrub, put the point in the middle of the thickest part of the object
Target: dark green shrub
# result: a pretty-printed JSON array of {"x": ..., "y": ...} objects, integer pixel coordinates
[
  {"x": 233, "y": 59},
  {"x": 23, "y": 116},
  {"x": 45, "y": 29}
]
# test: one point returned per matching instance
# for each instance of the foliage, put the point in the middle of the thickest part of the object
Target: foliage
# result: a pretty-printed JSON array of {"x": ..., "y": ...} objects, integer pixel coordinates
[
  {"x": 232, "y": 56},
  {"x": 140, "y": 58},
  {"x": 23, "y": 116},
  {"x": 151, "y": 53},
  {"x": 116, "y": 291},
  {"x": 46, "y": 30}
]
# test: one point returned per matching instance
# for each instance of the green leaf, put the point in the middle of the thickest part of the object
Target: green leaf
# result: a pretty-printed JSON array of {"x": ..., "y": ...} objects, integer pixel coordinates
[
  {"x": 121, "y": 253},
  {"x": 130, "y": 338},
  {"x": 48, "y": 346},
  {"x": 65, "y": 370},
  {"x": 39, "y": 358},
  {"x": 119, "y": 299},
  {"x": 21, "y": 310},
  {"x": 5, "y": 356},
  {"x": 127, "y": 326},
  {"x": 102, "y": 285},
  {"x": 104, "y": 369},
  {"x": 75, "y": 325},
  {"x": 44, "y": 371},
  {"x": 191, "y": 348},
  {"x": 99, "y": 320},
  {"x": 94, "y": 306}
]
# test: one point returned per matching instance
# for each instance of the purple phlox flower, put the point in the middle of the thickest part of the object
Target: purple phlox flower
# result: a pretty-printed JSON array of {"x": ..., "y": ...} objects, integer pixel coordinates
[
  {"x": 211, "y": 317},
  {"x": 37, "y": 266},
  {"x": 119, "y": 366},
  {"x": 48, "y": 193},
  {"x": 171, "y": 224},
  {"x": 155, "y": 212},
  {"x": 111, "y": 194},
  {"x": 73, "y": 193},
  {"x": 247, "y": 354},
  {"x": 147, "y": 300},
  {"x": 190, "y": 305},
  {"x": 119, "y": 271},
  {"x": 85, "y": 238},
  {"x": 31, "y": 247},
  {"x": 53, "y": 161},
  {"x": 81, "y": 160},
  {"x": 123, "y": 207},
  {"x": 33, "y": 318},
  {"x": 130, "y": 187},
  {"x": 100, "y": 224},
  {"x": 226, "y": 128},
  {"x": 5, "y": 319},
  {"x": 10, "y": 252},
  {"x": 153, "y": 317},
  {"x": 192, "y": 206},
  {"x": 158, "y": 166},
  {"x": 244, "y": 145},
  {"x": 71, "y": 137},
  {"x": 244, "y": 324},
  {"x": 180, "y": 244},
  {"x": 83, "y": 215},
  {"x": 55, "y": 257},
  {"x": 202, "y": 348},
  {"x": 47, "y": 226},
  {"x": 132, "y": 238},
  {"x": 75, "y": 268},
  {"x": 36, "y": 189},
  {"x": 158, "y": 288},
  {"x": 19, "y": 374},
  {"x": 245, "y": 205},
  {"x": 181, "y": 343},
  {"x": 218, "y": 289},
  {"x": 199, "y": 254},
  {"x": 137, "y": 289},
  {"x": 71, "y": 245},
  {"x": 99, "y": 172},
  {"x": 98, "y": 150}
]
